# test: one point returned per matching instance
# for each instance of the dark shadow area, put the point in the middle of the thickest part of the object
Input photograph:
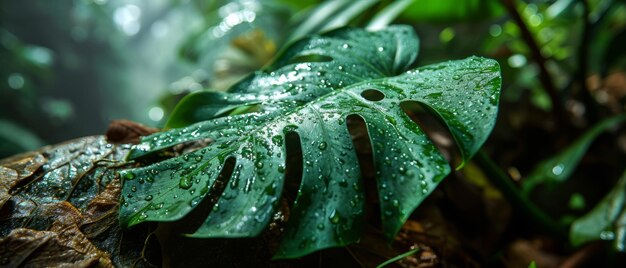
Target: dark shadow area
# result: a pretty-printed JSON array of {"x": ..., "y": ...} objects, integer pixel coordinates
[
  {"x": 293, "y": 166},
  {"x": 372, "y": 95},
  {"x": 435, "y": 129},
  {"x": 362, "y": 144}
]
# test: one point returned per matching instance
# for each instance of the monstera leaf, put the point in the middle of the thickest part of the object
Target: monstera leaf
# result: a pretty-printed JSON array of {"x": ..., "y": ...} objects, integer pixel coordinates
[{"x": 310, "y": 91}]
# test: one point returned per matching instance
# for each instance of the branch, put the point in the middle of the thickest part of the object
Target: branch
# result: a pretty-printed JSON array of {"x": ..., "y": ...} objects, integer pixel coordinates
[
  {"x": 583, "y": 64},
  {"x": 535, "y": 51}
]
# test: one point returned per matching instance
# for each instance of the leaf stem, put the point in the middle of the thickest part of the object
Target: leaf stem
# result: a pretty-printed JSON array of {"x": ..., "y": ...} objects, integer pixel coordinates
[
  {"x": 519, "y": 201},
  {"x": 544, "y": 76},
  {"x": 399, "y": 257}
]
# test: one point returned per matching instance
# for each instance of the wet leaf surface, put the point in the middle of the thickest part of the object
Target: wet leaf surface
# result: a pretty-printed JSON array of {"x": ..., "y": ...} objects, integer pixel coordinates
[
  {"x": 62, "y": 205},
  {"x": 62, "y": 244},
  {"x": 310, "y": 90},
  {"x": 606, "y": 221},
  {"x": 15, "y": 170}
]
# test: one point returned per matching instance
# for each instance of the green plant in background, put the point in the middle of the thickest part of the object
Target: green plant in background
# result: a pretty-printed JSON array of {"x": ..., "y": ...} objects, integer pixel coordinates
[
  {"x": 560, "y": 167},
  {"x": 311, "y": 90},
  {"x": 607, "y": 220}
]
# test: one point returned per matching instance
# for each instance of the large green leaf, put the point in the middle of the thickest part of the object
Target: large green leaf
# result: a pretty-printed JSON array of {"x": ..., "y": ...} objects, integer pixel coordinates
[{"x": 314, "y": 86}]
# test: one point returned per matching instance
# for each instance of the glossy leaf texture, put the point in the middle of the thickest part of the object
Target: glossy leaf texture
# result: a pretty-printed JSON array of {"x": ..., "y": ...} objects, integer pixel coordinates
[
  {"x": 606, "y": 221},
  {"x": 313, "y": 87}
]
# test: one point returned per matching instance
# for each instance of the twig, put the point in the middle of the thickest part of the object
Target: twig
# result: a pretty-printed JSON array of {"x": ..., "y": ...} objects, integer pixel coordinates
[
  {"x": 580, "y": 257},
  {"x": 399, "y": 257},
  {"x": 82, "y": 175},
  {"x": 354, "y": 257},
  {"x": 535, "y": 51},
  {"x": 516, "y": 198},
  {"x": 583, "y": 48},
  {"x": 583, "y": 64},
  {"x": 142, "y": 257}
]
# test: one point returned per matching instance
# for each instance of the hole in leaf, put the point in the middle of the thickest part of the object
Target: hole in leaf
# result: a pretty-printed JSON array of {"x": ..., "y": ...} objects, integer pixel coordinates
[
  {"x": 372, "y": 95},
  {"x": 197, "y": 215},
  {"x": 309, "y": 58},
  {"x": 435, "y": 129},
  {"x": 361, "y": 140},
  {"x": 293, "y": 166}
]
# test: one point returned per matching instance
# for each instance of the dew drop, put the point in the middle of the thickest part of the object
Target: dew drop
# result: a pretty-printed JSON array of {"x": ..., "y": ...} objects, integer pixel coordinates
[
  {"x": 195, "y": 201},
  {"x": 129, "y": 175},
  {"x": 607, "y": 235},
  {"x": 322, "y": 145},
  {"x": 185, "y": 183},
  {"x": 558, "y": 169},
  {"x": 402, "y": 170},
  {"x": 334, "y": 217}
]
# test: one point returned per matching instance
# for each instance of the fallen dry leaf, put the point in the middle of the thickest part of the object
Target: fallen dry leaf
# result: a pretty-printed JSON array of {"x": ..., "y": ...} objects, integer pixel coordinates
[
  {"x": 125, "y": 131},
  {"x": 14, "y": 170},
  {"x": 62, "y": 245},
  {"x": 61, "y": 207}
]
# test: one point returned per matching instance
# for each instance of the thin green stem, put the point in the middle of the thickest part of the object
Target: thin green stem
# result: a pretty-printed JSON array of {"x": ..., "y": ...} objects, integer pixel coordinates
[
  {"x": 516, "y": 198},
  {"x": 399, "y": 257}
]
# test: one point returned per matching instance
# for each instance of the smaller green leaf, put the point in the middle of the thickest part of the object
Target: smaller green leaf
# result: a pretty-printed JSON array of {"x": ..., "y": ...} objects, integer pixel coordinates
[
  {"x": 452, "y": 10},
  {"x": 607, "y": 221},
  {"x": 388, "y": 14},
  {"x": 532, "y": 264},
  {"x": 559, "y": 168},
  {"x": 330, "y": 15},
  {"x": 200, "y": 106}
]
